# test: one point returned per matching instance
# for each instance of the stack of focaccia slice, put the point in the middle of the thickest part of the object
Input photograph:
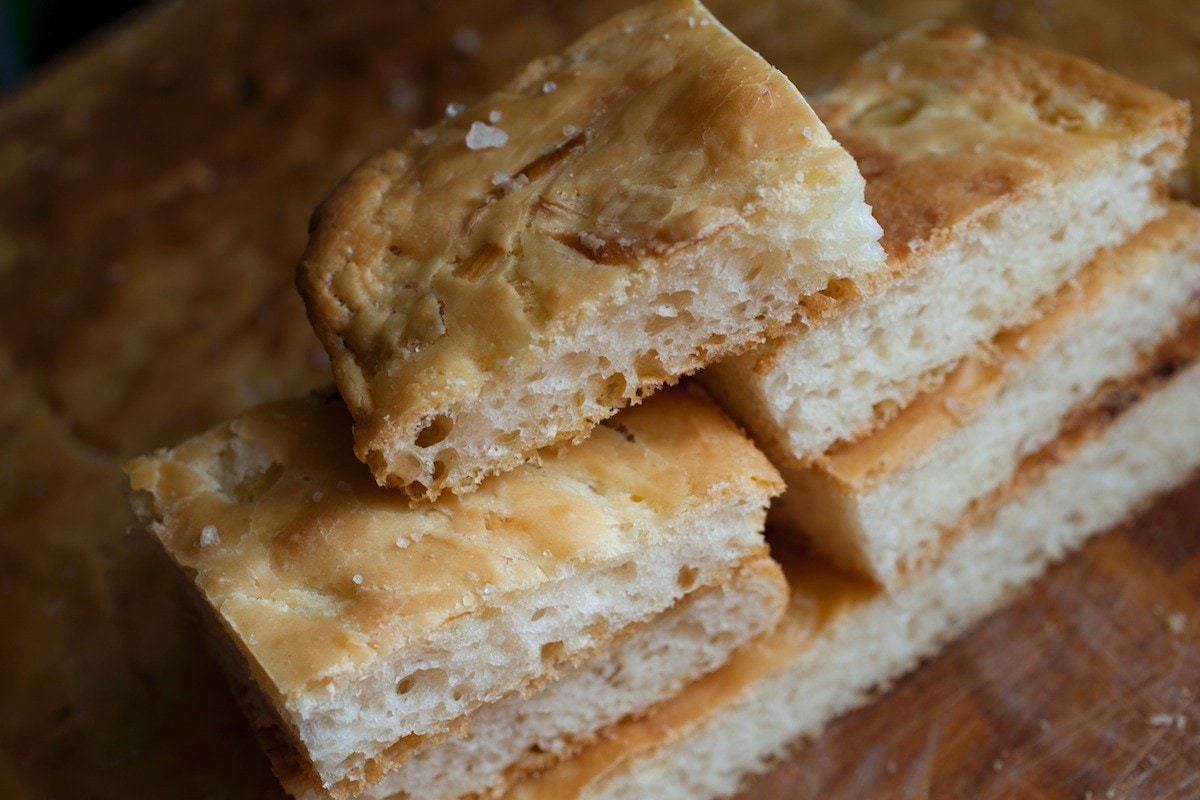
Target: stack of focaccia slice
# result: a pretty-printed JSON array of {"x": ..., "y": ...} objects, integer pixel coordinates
[
  {"x": 1023, "y": 376},
  {"x": 471, "y": 571}
]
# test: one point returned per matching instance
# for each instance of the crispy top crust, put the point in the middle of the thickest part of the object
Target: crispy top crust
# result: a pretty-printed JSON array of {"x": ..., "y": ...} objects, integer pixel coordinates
[
  {"x": 979, "y": 377},
  {"x": 947, "y": 124},
  {"x": 435, "y": 264},
  {"x": 316, "y": 570}
]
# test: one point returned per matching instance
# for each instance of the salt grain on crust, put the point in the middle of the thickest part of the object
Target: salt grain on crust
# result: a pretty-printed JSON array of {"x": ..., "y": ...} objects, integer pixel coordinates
[
  {"x": 549, "y": 87},
  {"x": 209, "y": 536},
  {"x": 453, "y": 109},
  {"x": 482, "y": 136},
  {"x": 494, "y": 116}
]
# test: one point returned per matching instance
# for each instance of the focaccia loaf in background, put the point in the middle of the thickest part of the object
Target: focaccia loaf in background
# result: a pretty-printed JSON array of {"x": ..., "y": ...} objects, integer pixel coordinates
[{"x": 652, "y": 199}]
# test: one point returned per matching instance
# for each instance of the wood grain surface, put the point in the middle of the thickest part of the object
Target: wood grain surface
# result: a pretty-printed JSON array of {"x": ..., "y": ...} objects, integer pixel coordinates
[{"x": 157, "y": 185}]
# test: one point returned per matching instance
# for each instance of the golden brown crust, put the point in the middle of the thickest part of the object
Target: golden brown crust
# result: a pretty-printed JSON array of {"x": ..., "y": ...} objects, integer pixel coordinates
[
  {"x": 454, "y": 261},
  {"x": 949, "y": 125},
  {"x": 316, "y": 570}
]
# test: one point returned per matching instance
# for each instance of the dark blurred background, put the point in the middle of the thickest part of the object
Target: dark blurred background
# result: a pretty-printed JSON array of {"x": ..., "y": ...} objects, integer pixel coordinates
[{"x": 33, "y": 32}]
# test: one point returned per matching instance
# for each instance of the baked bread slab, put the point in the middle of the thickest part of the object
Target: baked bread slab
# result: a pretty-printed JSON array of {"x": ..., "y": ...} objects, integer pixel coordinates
[
  {"x": 842, "y": 639},
  {"x": 878, "y": 505},
  {"x": 997, "y": 170},
  {"x": 368, "y": 624},
  {"x": 652, "y": 199},
  {"x": 500, "y": 742}
]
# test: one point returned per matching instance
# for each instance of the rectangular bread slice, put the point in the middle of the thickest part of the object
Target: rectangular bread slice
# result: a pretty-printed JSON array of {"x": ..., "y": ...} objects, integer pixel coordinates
[
  {"x": 652, "y": 199},
  {"x": 500, "y": 742},
  {"x": 842, "y": 638},
  {"x": 997, "y": 170},
  {"x": 879, "y": 505},
  {"x": 519, "y": 735},
  {"x": 369, "y": 624}
]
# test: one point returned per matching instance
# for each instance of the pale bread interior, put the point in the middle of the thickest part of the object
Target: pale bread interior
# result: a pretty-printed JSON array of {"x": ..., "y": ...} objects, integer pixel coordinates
[
  {"x": 850, "y": 373},
  {"x": 886, "y": 520}
]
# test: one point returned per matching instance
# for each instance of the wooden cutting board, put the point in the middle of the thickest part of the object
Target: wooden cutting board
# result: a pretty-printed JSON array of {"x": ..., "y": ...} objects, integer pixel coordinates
[{"x": 157, "y": 184}]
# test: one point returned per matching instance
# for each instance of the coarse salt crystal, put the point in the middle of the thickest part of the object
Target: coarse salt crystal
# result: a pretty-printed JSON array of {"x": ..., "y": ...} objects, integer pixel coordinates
[
  {"x": 358, "y": 579},
  {"x": 402, "y": 542},
  {"x": 494, "y": 116},
  {"x": 499, "y": 178},
  {"x": 549, "y": 87},
  {"x": 453, "y": 109},
  {"x": 1176, "y": 623},
  {"x": 482, "y": 136},
  {"x": 703, "y": 23},
  {"x": 569, "y": 130},
  {"x": 209, "y": 536},
  {"x": 691, "y": 22}
]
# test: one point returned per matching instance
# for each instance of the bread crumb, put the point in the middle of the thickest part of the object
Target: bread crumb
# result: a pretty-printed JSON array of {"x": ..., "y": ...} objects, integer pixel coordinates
[
  {"x": 494, "y": 116},
  {"x": 1177, "y": 622},
  {"x": 466, "y": 40},
  {"x": 358, "y": 579},
  {"x": 453, "y": 108},
  {"x": 549, "y": 87},
  {"x": 482, "y": 136},
  {"x": 209, "y": 536}
]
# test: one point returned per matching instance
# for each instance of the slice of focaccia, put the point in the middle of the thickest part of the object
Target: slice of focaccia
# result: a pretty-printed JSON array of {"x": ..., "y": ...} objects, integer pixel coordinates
[
  {"x": 369, "y": 626},
  {"x": 997, "y": 169},
  {"x": 651, "y": 199}
]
